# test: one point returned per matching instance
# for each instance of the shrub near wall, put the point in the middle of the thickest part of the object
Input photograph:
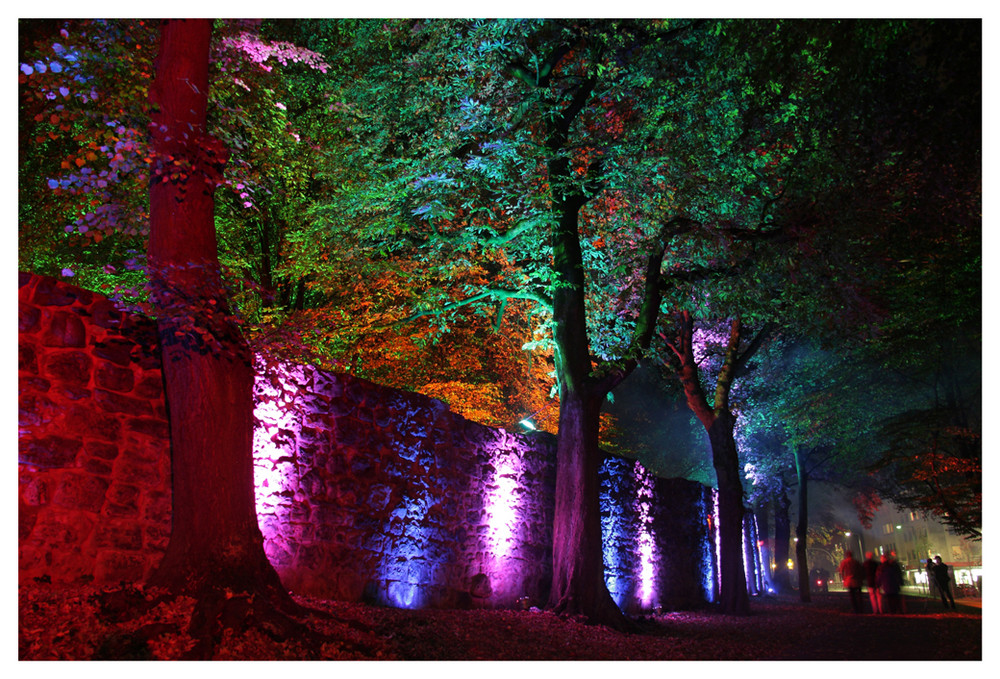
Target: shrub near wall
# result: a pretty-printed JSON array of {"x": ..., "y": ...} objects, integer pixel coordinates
[{"x": 363, "y": 492}]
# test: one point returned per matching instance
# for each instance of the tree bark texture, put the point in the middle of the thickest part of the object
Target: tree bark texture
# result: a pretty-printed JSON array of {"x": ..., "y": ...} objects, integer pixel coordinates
[
  {"x": 215, "y": 541},
  {"x": 578, "y": 586},
  {"x": 733, "y": 595},
  {"x": 801, "y": 528},
  {"x": 719, "y": 422},
  {"x": 782, "y": 538}
]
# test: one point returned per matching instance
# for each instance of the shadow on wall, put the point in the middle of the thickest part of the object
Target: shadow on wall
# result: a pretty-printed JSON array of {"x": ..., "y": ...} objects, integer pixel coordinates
[{"x": 363, "y": 492}]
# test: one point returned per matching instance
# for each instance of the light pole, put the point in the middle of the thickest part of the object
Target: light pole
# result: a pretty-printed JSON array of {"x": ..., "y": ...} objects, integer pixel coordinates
[{"x": 861, "y": 548}]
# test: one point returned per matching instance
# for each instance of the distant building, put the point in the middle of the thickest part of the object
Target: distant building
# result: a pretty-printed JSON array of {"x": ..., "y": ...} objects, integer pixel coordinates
[{"x": 915, "y": 538}]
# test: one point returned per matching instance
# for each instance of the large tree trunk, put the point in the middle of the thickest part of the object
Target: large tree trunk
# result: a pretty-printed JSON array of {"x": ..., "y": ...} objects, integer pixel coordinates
[
  {"x": 782, "y": 538},
  {"x": 762, "y": 512},
  {"x": 801, "y": 529},
  {"x": 216, "y": 548},
  {"x": 733, "y": 595},
  {"x": 718, "y": 421},
  {"x": 578, "y": 586}
]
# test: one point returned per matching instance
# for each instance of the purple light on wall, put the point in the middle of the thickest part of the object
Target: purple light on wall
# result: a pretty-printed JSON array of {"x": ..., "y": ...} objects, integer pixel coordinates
[
  {"x": 645, "y": 542},
  {"x": 502, "y": 504},
  {"x": 274, "y": 443},
  {"x": 718, "y": 541},
  {"x": 614, "y": 537},
  {"x": 748, "y": 569},
  {"x": 504, "y": 514}
]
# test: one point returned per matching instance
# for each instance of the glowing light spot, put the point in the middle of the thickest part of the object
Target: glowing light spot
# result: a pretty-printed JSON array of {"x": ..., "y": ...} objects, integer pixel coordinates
[
  {"x": 645, "y": 542},
  {"x": 712, "y": 574},
  {"x": 502, "y": 505},
  {"x": 405, "y": 567},
  {"x": 275, "y": 444},
  {"x": 614, "y": 537}
]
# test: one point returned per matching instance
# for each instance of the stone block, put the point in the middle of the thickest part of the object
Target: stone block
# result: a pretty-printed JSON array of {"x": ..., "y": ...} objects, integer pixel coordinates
[
  {"x": 65, "y": 329},
  {"x": 145, "y": 474},
  {"x": 81, "y": 491},
  {"x": 106, "y": 315},
  {"x": 33, "y": 410},
  {"x": 28, "y": 316},
  {"x": 118, "y": 350},
  {"x": 150, "y": 386},
  {"x": 69, "y": 368},
  {"x": 37, "y": 491},
  {"x": 61, "y": 531},
  {"x": 112, "y": 402},
  {"x": 158, "y": 508},
  {"x": 112, "y": 566},
  {"x": 52, "y": 292},
  {"x": 93, "y": 465},
  {"x": 118, "y": 535},
  {"x": 156, "y": 536},
  {"x": 113, "y": 377},
  {"x": 149, "y": 426},
  {"x": 49, "y": 452},
  {"x": 75, "y": 393},
  {"x": 27, "y": 358}
]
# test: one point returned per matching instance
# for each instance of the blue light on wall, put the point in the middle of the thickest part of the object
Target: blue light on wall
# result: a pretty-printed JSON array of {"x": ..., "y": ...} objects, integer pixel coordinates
[{"x": 404, "y": 567}]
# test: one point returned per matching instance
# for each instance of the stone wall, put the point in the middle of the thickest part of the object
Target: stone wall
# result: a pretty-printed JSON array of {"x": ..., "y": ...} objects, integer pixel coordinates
[
  {"x": 363, "y": 492},
  {"x": 94, "y": 493},
  {"x": 371, "y": 493}
]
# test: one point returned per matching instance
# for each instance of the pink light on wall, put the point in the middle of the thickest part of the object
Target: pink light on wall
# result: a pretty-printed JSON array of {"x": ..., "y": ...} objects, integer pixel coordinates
[
  {"x": 501, "y": 505},
  {"x": 645, "y": 543},
  {"x": 503, "y": 514},
  {"x": 274, "y": 444},
  {"x": 718, "y": 539}
]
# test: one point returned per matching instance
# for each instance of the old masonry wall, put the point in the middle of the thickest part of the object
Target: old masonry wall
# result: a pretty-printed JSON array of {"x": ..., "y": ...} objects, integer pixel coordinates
[{"x": 364, "y": 493}]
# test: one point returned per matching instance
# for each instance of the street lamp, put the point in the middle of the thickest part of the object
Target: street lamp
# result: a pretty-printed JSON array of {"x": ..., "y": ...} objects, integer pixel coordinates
[{"x": 861, "y": 548}]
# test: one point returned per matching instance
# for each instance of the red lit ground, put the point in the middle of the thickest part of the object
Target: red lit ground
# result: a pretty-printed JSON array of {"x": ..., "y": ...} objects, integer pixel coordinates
[{"x": 67, "y": 624}]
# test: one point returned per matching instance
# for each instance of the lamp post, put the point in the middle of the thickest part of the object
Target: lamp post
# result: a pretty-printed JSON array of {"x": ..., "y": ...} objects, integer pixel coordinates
[{"x": 861, "y": 548}]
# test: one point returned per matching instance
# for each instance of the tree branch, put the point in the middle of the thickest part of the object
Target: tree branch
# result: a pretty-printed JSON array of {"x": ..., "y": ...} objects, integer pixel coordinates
[{"x": 494, "y": 293}]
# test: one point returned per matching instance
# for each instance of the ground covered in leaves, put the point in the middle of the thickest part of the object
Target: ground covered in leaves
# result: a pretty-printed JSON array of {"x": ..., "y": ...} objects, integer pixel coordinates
[{"x": 113, "y": 623}]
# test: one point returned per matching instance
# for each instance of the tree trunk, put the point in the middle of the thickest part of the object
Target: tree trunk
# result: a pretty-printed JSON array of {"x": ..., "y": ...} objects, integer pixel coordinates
[
  {"x": 718, "y": 421},
  {"x": 801, "y": 528},
  {"x": 216, "y": 547},
  {"x": 763, "y": 513},
  {"x": 578, "y": 586},
  {"x": 733, "y": 595},
  {"x": 782, "y": 538}
]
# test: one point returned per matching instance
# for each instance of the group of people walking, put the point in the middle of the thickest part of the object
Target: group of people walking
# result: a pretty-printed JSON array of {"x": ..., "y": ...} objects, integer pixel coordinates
[{"x": 884, "y": 580}]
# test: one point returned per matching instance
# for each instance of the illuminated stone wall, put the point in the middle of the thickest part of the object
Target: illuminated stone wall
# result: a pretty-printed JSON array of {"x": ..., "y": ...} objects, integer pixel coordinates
[
  {"x": 94, "y": 495},
  {"x": 363, "y": 492},
  {"x": 369, "y": 493},
  {"x": 658, "y": 539}
]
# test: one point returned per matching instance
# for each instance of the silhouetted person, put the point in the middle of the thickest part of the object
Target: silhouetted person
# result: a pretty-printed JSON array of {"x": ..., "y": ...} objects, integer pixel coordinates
[
  {"x": 931, "y": 585},
  {"x": 890, "y": 584},
  {"x": 871, "y": 568},
  {"x": 852, "y": 575},
  {"x": 942, "y": 580}
]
